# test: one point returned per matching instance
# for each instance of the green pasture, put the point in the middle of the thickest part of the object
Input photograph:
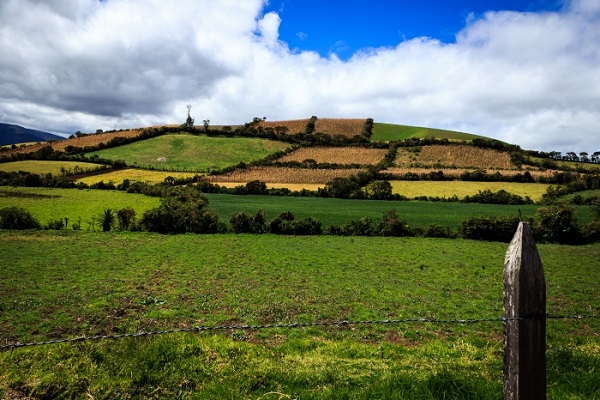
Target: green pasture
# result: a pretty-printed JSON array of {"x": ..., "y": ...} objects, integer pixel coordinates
[
  {"x": 56, "y": 168},
  {"x": 392, "y": 132},
  {"x": 48, "y": 204},
  {"x": 461, "y": 189},
  {"x": 70, "y": 284},
  {"x": 191, "y": 153},
  {"x": 339, "y": 211},
  {"x": 78, "y": 206}
]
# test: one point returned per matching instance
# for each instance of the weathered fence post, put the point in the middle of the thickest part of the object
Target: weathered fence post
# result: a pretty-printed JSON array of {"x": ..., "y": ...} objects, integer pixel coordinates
[{"x": 525, "y": 319}]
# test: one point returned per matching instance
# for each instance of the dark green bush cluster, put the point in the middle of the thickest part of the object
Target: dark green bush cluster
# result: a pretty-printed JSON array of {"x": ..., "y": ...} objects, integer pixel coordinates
[
  {"x": 495, "y": 228},
  {"x": 499, "y": 197},
  {"x": 17, "y": 218},
  {"x": 287, "y": 224}
]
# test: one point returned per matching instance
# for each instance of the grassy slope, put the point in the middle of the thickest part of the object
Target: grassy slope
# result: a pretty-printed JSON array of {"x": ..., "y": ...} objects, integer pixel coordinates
[
  {"x": 389, "y": 132},
  {"x": 78, "y": 283},
  {"x": 192, "y": 153},
  {"x": 47, "y": 167},
  {"x": 49, "y": 204}
]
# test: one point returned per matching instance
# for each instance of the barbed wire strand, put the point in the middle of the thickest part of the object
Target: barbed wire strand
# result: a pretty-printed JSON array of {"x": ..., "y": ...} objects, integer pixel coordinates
[{"x": 198, "y": 329}]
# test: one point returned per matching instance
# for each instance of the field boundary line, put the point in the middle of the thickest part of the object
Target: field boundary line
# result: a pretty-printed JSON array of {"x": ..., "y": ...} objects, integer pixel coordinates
[{"x": 342, "y": 323}]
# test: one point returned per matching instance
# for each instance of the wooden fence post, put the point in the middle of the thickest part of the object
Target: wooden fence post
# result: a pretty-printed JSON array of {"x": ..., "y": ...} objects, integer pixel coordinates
[{"x": 525, "y": 337}]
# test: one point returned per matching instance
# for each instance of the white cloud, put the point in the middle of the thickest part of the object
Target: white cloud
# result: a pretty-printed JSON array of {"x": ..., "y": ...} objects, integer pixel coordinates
[{"x": 527, "y": 78}]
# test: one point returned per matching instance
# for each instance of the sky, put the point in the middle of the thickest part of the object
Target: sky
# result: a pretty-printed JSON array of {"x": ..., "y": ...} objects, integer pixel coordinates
[{"x": 523, "y": 71}]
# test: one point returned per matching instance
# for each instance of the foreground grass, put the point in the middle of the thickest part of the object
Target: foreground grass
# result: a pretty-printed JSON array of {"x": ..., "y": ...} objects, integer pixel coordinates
[
  {"x": 191, "y": 153},
  {"x": 79, "y": 283}
]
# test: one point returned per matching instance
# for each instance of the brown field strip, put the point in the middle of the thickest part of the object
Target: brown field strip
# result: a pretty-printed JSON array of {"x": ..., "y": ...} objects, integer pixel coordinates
[
  {"x": 336, "y": 155},
  {"x": 340, "y": 126},
  {"x": 464, "y": 156},
  {"x": 295, "y": 187},
  {"x": 87, "y": 140},
  {"x": 293, "y": 126},
  {"x": 401, "y": 173},
  {"x": 283, "y": 175}
]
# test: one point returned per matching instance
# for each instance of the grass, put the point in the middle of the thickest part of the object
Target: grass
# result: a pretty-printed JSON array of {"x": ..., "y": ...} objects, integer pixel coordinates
[
  {"x": 81, "y": 206},
  {"x": 67, "y": 284},
  {"x": 189, "y": 153},
  {"x": 55, "y": 168},
  {"x": 391, "y": 132},
  {"x": 412, "y": 189},
  {"x": 47, "y": 204}
]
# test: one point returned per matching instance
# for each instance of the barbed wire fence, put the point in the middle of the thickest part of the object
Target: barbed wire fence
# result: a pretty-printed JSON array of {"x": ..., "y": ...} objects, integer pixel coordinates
[{"x": 341, "y": 323}]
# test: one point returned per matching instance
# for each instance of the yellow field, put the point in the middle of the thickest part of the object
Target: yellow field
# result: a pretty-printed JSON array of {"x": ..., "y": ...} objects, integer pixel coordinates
[
  {"x": 277, "y": 175},
  {"x": 461, "y": 189},
  {"x": 55, "y": 168},
  {"x": 135, "y": 175},
  {"x": 336, "y": 155}
]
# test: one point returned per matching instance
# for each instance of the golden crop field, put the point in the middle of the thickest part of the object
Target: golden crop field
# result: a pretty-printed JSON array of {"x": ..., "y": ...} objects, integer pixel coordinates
[
  {"x": 283, "y": 175},
  {"x": 87, "y": 140},
  {"x": 134, "y": 175},
  {"x": 412, "y": 189},
  {"x": 336, "y": 155},
  {"x": 333, "y": 126},
  {"x": 340, "y": 126},
  {"x": 294, "y": 187},
  {"x": 293, "y": 126},
  {"x": 400, "y": 173},
  {"x": 464, "y": 156}
]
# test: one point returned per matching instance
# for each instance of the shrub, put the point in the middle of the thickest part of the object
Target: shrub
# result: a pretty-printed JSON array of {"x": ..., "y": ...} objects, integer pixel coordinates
[
  {"x": 392, "y": 225},
  {"x": 276, "y": 224},
  {"x": 437, "y": 231},
  {"x": 126, "y": 218},
  {"x": 590, "y": 232},
  {"x": 107, "y": 219},
  {"x": 363, "y": 227},
  {"x": 498, "y": 229},
  {"x": 499, "y": 197},
  {"x": 17, "y": 218},
  {"x": 557, "y": 224},
  {"x": 55, "y": 224},
  {"x": 241, "y": 222}
]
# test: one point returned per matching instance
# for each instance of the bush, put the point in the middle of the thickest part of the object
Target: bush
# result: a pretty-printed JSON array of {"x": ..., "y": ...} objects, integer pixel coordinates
[
  {"x": 17, "y": 218},
  {"x": 276, "y": 224},
  {"x": 126, "y": 218},
  {"x": 392, "y": 225},
  {"x": 557, "y": 224},
  {"x": 590, "y": 232},
  {"x": 495, "y": 229},
  {"x": 499, "y": 197},
  {"x": 107, "y": 219},
  {"x": 55, "y": 224},
  {"x": 437, "y": 231},
  {"x": 363, "y": 227}
]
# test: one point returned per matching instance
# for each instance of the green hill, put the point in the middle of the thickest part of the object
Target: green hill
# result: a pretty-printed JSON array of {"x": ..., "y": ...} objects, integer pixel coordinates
[{"x": 389, "y": 132}]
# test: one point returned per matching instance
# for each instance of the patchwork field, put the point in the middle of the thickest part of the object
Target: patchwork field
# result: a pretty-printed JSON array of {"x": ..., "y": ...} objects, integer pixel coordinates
[
  {"x": 189, "y": 153},
  {"x": 135, "y": 175},
  {"x": 86, "y": 140},
  {"x": 283, "y": 175},
  {"x": 74, "y": 284},
  {"x": 453, "y": 156},
  {"x": 447, "y": 189},
  {"x": 332, "y": 126},
  {"x": 336, "y": 155},
  {"x": 56, "y": 168},
  {"x": 402, "y": 173}
]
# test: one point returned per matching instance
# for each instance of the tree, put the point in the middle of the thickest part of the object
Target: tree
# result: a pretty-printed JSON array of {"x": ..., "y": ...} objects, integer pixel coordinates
[
  {"x": 107, "y": 219},
  {"x": 583, "y": 156},
  {"x": 379, "y": 190},
  {"x": 206, "y": 123},
  {"x": 189, "y": 122}
]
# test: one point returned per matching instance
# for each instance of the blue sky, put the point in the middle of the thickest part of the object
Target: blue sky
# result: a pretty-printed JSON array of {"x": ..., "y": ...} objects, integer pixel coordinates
[
  {"x": 525, "y": 72},
  {"x": 344, "y": 27}
]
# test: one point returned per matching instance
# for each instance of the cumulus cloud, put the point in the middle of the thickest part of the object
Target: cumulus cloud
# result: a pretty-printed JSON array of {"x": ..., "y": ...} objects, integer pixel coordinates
[{"x": 528, "y": 78}]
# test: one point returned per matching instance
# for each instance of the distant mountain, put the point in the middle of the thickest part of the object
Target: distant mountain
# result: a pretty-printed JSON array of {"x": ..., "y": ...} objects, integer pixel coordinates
[{"x": 13, "y": 134}]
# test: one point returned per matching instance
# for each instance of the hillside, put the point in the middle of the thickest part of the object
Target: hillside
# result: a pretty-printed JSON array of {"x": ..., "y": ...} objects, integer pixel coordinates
[
  {"x": 14, "y": 134},
  {"x": 390, "y": 132}
]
